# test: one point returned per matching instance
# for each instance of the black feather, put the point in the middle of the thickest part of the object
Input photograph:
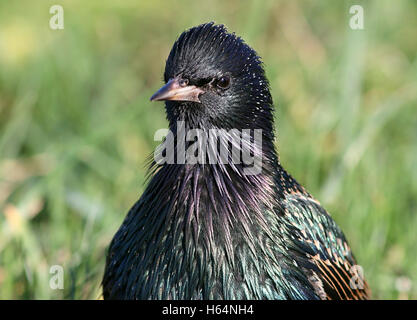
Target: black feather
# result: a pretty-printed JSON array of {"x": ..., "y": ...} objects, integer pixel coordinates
[{"x": 210, "y": 231}]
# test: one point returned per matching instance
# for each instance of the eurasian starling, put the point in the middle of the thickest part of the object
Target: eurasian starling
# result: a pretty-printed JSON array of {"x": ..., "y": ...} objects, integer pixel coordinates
[{"x": 212, "y": 228}]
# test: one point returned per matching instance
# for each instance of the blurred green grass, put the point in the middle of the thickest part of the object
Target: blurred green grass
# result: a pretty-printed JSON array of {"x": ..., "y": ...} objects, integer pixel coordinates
[{"x": 76, "y": 126}]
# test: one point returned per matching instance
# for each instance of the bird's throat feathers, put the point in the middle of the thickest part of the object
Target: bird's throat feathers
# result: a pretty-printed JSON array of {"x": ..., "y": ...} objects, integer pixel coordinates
[{"x": 211, "y": 202}]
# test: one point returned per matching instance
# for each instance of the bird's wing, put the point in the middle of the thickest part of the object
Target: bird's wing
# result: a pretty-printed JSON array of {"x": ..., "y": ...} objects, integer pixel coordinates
[{"x": 322, "y": 250}]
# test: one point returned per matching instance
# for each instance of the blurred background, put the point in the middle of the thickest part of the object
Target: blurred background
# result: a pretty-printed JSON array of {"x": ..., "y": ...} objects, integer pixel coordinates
[{"x": 76, "y": 126}]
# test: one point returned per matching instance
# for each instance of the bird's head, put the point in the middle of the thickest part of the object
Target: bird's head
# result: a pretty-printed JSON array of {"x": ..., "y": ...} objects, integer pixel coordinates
[{"x": 214, "y": 79}]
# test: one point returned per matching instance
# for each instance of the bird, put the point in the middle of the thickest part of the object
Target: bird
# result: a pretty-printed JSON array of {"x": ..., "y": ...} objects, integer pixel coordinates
[{"x": 227, "y": 229}]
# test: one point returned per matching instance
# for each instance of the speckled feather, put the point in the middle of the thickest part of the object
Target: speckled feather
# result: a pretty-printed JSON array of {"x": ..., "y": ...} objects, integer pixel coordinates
[{"x": 212, "y": 232}]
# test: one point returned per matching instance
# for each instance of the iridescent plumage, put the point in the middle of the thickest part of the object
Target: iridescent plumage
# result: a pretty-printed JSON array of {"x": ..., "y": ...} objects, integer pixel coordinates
[{"x": 212, "y": 232}]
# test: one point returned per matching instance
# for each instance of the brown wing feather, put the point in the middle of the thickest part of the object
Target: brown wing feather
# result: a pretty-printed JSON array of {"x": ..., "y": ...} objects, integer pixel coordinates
[{"x": 333, "y": 268}]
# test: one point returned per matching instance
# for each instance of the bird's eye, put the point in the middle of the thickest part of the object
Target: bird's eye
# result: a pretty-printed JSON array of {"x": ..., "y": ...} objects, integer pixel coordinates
[
  {"x": 223, "y": 82},
  {"x": 183, "y": 82}
]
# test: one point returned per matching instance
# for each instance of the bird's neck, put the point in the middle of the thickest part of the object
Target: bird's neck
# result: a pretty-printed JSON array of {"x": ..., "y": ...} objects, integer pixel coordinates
[{"x": 212, "y": 195}]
